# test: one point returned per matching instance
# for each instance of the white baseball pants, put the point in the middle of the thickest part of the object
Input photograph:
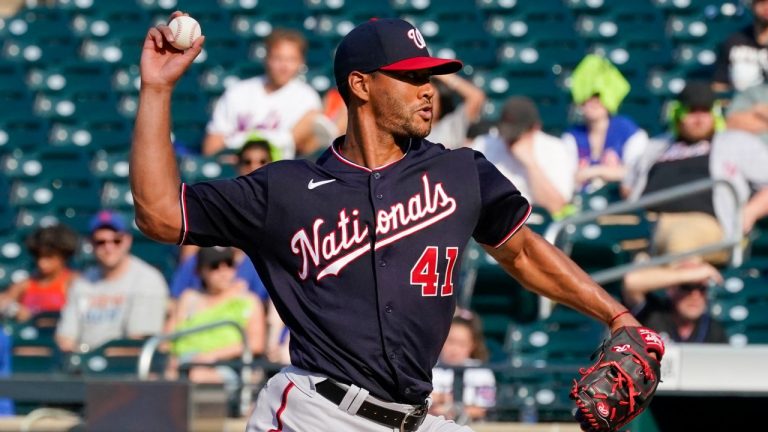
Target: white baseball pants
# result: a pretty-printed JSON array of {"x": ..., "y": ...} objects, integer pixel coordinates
[{"x": 289, "y": 403}]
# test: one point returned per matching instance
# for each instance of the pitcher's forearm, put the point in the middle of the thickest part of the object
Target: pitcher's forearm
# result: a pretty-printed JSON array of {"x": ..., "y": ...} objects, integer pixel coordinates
[{"x": 154, "y": 174}]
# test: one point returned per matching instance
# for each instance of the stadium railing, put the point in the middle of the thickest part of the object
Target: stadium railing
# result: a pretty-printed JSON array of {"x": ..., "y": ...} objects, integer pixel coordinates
[
  {"x": 151, "y": 345},
  {"x": 559, "y": 233}
]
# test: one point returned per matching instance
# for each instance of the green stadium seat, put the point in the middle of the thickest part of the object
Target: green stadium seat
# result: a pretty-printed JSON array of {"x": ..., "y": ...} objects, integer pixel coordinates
[
  {"x": 92, "y": 137},
  {"x": 199, "y": 168},
  {"x": 736, "y": 311},
  {"x": 687, "y": 28},
  {"x": 693, "y": 56},
  {"x": 743, "y": 284},
  {"x": 119, "y": 20},
  {"x": 12, "y": 249},
  {"x": 29, "y": 219},
  {"x": 117, "y": 195},
  {"x": 499, "y": 299},
  {"x": 116, "y": 357},
  {"x": 110, "y": 166},
  {"x": 75, "y": 106},
  {"x": 411, "y": 6},
  {"x": 593, "y": 7},
  {"x": 35, "y": 356},
  {"x": 44, "y": 194},
  {"x": 223, "y": 50},
  {"x": 554, "y": 343},
  {"x": 111, "y": 49},
  {"x": 19, "y": 131}
]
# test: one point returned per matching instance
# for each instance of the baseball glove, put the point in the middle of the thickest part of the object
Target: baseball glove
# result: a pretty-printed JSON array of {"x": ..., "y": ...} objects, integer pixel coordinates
[{"x": 621, "y": 384}]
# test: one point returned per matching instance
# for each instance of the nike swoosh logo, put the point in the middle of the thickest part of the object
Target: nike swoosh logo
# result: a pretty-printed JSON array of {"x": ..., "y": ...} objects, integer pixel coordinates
[{"x": 313, "y": 184}]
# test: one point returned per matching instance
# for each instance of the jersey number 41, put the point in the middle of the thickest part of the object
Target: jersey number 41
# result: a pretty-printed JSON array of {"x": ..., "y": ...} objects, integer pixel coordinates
[{"x": 425, "y": 273}]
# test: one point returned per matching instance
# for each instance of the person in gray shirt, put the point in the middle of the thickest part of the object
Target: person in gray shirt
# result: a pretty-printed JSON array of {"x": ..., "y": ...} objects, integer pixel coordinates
[
  {"x": 121, "y": 297},
  {"x": 748, "y": 111}
]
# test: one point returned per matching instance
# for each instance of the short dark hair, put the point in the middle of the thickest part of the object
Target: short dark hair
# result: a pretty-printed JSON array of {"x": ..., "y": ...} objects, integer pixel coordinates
[
  {"x": 55, "y": 239},
  {"x": 287, "y": 35},
  {"x": 255, "y": 144}
]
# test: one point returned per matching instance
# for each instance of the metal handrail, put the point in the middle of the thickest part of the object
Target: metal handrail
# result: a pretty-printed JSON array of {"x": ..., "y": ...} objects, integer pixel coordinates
[
  {"x": 150, "y": 347},
  {"x": 554, "y": 232}
]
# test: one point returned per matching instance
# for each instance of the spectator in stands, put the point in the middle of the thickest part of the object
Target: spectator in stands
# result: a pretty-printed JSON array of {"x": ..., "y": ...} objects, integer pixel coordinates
[
  {"x": 464, "y": 348},
  {"x": 121, "y": 297},
  {"x": 541, "y": 166},
  {"x": 748, "y": 111},
  {"x": 680, "y": 314},
  {"x": 741, "y": 61},
  {"x": 46, "y": 289},
  {"x": 607, "y": 143},
  {"x": 254, "y": 154},
  {"x": 695, "y": 150},
  {"x": 224, "y": 298},
  {"x": 278, "y": 105},
  {"x": 451, "y": 121}
]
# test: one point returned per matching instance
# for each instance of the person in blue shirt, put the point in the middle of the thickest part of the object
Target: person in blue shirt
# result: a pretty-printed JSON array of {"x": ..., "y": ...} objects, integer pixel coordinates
[{"x": 607, "y": 142}]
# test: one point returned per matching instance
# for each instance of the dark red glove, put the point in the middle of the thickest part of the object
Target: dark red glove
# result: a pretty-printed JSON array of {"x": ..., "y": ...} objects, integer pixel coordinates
[{"x": 621, "y": 384}]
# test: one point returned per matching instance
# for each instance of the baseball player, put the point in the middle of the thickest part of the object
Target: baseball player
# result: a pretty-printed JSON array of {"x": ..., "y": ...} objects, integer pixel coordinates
[{"x": 359, "y": 250}]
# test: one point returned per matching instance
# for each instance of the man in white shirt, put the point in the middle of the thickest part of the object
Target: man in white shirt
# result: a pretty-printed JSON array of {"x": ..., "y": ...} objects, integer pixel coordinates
[
  {"x": 541, "y": 166},
  {"x": 278, "y": 105}
]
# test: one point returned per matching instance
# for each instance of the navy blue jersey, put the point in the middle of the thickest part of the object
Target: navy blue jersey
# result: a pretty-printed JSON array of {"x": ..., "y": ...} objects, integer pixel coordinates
[{"x": 361, "y": 263}]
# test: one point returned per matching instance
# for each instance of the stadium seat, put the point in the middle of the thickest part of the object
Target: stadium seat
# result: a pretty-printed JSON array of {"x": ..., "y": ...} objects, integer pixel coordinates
[
  {"x": 22, "y": 132},
  {"x": 119, "y": 20},
  {"x": 199, "y": 168},
  {"x": 116, "y": 357},
  {"x": 117, "y": 195},
  {"x": 499, "y": 299},
  {"x": 34, "y": 349},
  {"x": 29, "y": 219},
  {"x": 12, "y": 250},
  {"x": 110, "y": 166}
]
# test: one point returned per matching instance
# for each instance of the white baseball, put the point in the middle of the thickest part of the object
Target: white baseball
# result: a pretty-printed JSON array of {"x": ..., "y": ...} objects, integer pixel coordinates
[{"x": 185, "y": 30}]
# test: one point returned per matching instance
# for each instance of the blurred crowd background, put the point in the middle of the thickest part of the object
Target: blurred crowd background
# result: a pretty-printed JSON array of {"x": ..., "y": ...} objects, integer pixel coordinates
[{"x": 583, "y": 104}]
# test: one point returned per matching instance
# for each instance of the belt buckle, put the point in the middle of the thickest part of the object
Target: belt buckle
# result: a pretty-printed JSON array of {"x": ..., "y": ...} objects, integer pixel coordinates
[{"x": 418, "y": 414}]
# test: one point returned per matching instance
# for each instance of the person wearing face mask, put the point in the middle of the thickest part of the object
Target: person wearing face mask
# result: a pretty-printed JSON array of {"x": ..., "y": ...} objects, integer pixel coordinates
[
  {"x": 742, "y": 60},
  {"x": 278, "y": 105},
  {"x": 121, "y": 297},
  {"x": 699, "y": 148}
]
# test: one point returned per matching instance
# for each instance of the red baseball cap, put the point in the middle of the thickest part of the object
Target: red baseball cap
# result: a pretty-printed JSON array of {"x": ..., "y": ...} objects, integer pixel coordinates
[{"x": 388, "y": 44}]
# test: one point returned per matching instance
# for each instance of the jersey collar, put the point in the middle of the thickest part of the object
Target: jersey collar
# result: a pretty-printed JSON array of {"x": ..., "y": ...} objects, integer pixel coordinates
[{"x": 339, "y": 159}]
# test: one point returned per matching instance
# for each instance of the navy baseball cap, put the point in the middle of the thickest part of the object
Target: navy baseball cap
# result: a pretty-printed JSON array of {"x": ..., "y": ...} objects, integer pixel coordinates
[
  {"x": 388, "y": 44},
  {"x": 110, "y": 220}
]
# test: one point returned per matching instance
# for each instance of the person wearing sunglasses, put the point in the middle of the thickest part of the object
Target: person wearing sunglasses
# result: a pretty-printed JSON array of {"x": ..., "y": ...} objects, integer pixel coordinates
[
  {"x": 120, "y": 297},
  {"x": 224, "y": 297},
  {"x": 673, "y": 301}
]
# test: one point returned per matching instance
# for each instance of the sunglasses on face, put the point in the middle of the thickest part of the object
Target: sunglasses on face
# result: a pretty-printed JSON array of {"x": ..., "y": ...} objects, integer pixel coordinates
[
  {"x": 102, "y": 242},
  {"x": 688, "y": 288},
  {"x": 218, "y": 264}
]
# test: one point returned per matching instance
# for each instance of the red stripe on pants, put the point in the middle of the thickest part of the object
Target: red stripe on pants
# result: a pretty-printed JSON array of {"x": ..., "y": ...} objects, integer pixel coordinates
[{"x": 280, "y": 411}]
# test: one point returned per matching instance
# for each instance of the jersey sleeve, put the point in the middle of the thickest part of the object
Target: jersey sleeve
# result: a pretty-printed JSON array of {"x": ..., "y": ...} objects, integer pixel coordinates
[
  {"x": 225, "y": 212},
  {"x": 503, "y": 209}
]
